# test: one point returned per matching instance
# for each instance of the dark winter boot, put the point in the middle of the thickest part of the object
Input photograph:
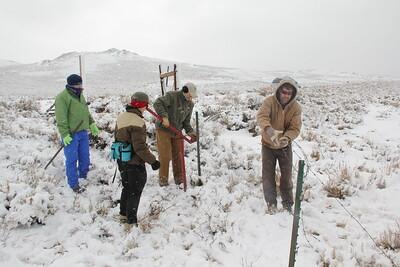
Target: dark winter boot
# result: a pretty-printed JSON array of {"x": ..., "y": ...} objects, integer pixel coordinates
[
  {"x": 77, "y": 189},
  {"x": 288, "y": 208},
  {"x": 271, "y": 208},
  {"x": 130, "y": 223}
]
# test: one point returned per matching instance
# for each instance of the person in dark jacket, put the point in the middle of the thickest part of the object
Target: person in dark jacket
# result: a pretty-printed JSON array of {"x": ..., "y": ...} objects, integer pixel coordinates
[
  {"x": 131, "y": 129},
  {"x": 175, "y": 107},
  {"x": 72, "y": 111},
  {"x": 279, "y": 119}
]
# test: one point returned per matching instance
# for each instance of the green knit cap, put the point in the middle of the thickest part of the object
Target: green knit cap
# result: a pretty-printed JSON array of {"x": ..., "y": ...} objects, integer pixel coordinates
[{"x": 140, "y": 96}]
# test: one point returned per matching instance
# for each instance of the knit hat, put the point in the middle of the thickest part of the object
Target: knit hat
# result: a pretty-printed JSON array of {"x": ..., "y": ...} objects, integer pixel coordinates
[
  {"x": 74, "y": 79},
  {"x": 139, "y": 100},
  {"x": 191, "y": 88}
]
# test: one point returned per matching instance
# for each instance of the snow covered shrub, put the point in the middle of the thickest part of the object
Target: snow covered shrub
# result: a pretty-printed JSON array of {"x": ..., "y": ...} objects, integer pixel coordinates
[
  {"x": 102, "y": 209},
  {"x": 217, "y": 222},
  {"x": 345, "y": 174},
  {"x": 155, "y": 209},
  {"x": 307, "y": 192},
  {"x": 234, "y": 157},
  {"x": 308, "y": 135},
  {"x": 4, "y": 106},
  {"x": 368, "y": 261},
  {"x": 315, "y": 154},
  {"x": 146, "y": 223},
  {"x": 211, "y": 112},
  {"x": 28, "y": 207},
  {"x": 390, "y": 239},
  {"x": 27, "y": 105},
  {"x": 28, "y": 197},
  {"x": 129, "y": 247},
  {"x": 340, "y": 187},
  {"x": 324, "y": 261},
  {"x": 233, "y": 181},
  {"x": 381, "y": 183},
  {"x": 254, "y": 179},
  {"x": 54, "y": 138},
  {"x": 392, "y": 166},
  {"x": 254, "y": 103},
  {"x": 216, "y": 131}
]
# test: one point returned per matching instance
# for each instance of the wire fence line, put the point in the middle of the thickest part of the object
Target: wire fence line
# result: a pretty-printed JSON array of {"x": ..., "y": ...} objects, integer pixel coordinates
[{"x": 308, "y": 170}]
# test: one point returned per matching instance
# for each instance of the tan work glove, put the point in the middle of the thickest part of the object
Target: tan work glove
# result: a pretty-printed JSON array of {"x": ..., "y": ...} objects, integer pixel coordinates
[
  {"x": 165, "y": 122},
  {"x": 284, "y": 141},
  {"x": 273, "y": 134}
]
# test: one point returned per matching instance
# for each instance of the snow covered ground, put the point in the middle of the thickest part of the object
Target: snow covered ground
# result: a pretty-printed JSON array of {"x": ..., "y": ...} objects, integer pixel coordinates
[{"x": 349, "y": 140}]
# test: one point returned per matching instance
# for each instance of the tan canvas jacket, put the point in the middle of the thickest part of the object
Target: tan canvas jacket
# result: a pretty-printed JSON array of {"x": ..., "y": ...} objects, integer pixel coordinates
[{"x": 272, "y": 114}]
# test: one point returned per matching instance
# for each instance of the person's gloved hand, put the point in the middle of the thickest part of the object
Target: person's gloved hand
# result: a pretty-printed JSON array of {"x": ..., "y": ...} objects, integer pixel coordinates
[
  {"x": 155, "y": 165},
  {"x": 165, "y": 122},
  {"x": 284, "y": 141},
  {"x": 67, "y": 140},
  {"x": 193, "y": 137},
  {"x": 273, "y": 134},
  {"x": 94, "y": 130}
]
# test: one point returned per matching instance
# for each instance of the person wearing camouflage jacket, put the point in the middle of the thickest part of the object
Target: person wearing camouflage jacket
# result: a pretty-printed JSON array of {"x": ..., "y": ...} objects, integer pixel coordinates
[
  {"x": 73, "y": 120},
  {"x": 131, "y": 129},
  {"x": 175, "y": 108},
  {"x": 279, "y": 119}
]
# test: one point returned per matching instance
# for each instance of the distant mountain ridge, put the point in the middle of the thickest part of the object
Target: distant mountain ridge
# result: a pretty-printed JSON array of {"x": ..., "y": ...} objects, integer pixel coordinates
[
  {"x": 112, "y": 71},
  {"x": 4, "y": 62},
  {"x": 116, "y": 71}
]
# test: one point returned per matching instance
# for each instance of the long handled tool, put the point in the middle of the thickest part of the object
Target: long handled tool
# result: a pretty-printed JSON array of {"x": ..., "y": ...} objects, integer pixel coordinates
[
  {"x": 62, "y": 146},
  {"x": 173, "y": 129},
  {"x": 181, "y": 145}
]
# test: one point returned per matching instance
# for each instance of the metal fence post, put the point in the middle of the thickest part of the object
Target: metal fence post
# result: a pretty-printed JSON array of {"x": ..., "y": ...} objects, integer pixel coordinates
[{"x": 296, "y": 216}]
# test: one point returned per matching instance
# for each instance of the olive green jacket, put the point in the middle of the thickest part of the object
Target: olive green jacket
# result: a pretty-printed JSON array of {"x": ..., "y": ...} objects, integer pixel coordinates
[{"x": 174, "y": 106}]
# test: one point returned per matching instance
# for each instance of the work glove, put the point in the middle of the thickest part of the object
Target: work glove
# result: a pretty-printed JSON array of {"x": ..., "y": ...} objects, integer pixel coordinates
[
  {"x": 155, "y": 165},
  {"x": 284, "y": 141},
  {"x": 94, "y": 130},
  {"x": 67, "y": 140},
  {"x": 273, "y": 134},
  {"x": 193, "y": 137},
  {"x": 165, "y": 122}
]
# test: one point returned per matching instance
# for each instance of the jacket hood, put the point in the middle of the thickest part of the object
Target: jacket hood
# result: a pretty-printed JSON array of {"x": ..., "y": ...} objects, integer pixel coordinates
[{"x": 277, "y": 83}]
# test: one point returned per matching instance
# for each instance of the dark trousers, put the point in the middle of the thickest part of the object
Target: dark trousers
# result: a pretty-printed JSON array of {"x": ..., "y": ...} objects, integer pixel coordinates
[
  {"x": 284, "y": 158},
  {"x": 134, "y": 178}
]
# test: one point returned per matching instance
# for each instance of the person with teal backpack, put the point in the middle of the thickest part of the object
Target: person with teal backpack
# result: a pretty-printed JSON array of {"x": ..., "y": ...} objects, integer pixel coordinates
[
  {"x": 72, "y": 114},
  {"x": 132, "y": 152}
]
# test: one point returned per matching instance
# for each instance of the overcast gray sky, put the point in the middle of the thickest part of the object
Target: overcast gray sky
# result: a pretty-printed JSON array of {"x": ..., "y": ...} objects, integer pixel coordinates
[{"x": 340, "y": 35}]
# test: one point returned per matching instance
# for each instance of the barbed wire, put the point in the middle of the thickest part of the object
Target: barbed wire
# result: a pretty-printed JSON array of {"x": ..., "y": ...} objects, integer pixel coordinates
[{"x": 342, "y": 205}]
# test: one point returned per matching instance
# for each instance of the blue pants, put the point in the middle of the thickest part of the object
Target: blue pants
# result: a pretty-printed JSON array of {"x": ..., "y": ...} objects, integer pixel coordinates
[{"x": 77, "y": 158}]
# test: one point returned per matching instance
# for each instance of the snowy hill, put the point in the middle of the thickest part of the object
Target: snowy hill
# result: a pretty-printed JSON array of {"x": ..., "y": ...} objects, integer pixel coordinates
[
  {"x": 349, "y": 141},
  {"x": 120, "y": 71},
  {"x": 5, "y": 63}
]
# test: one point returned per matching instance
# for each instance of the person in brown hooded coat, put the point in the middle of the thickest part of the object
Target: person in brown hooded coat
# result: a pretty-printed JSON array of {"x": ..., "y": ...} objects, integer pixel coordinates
[
  {"x": 131, "y": 129},
  {"x": 279, "y": 119}
]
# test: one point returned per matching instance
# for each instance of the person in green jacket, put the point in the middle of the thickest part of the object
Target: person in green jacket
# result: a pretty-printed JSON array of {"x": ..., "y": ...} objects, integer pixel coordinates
[
  {"x": 73, "y": 120},
  {"x": 175, "y": 107}
]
